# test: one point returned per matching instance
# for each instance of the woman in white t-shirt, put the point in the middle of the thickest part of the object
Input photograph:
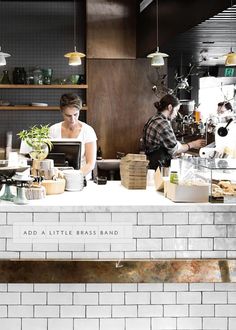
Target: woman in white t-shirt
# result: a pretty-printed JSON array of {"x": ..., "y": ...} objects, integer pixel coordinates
[{"x": 71, "y": 127}]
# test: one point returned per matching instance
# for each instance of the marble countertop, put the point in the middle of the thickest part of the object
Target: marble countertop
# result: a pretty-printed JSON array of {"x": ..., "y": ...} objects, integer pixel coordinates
[{"x": 112, "y": 197}]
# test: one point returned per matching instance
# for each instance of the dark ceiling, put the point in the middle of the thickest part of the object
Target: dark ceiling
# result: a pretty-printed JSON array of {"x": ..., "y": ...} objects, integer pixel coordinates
[
  {"x": 208, "y": 41},
  {"x": 197, "y": 30}
]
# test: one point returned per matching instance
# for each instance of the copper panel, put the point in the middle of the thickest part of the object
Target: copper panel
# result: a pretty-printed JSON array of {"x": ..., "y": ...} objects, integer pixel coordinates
[{"x": 117, "y": 272}]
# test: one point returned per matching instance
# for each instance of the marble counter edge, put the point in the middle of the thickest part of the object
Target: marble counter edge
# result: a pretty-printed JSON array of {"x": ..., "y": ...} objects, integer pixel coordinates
[{"x": 183, "y": 207}]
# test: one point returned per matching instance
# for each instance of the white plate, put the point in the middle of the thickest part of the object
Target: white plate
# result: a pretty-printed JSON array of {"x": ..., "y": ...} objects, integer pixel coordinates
[
  {"x": 74, "y": 189},
  {"x": 39, "y": 104}
]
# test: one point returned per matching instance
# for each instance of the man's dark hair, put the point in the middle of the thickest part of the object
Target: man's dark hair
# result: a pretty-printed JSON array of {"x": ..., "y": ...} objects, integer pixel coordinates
[
  {"x": 165, "y": 101},
  {"x": 227, "y": 105}
]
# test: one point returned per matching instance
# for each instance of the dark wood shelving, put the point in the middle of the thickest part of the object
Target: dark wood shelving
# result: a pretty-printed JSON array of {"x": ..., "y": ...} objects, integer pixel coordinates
[
  {"x": 29, "y": 107},
  {"x": 11, "y": 86}
]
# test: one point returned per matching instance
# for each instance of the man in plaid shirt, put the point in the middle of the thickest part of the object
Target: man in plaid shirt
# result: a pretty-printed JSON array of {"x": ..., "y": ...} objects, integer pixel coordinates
[{"x": 159, "y": 139}]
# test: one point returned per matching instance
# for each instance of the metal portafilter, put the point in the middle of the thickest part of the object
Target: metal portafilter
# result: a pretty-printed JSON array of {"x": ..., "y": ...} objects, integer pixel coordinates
[{"x": 222, "y": 131}]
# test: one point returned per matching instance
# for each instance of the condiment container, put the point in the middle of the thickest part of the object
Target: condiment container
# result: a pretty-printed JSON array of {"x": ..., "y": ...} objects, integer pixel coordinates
[{"x": 174, "y": 177}]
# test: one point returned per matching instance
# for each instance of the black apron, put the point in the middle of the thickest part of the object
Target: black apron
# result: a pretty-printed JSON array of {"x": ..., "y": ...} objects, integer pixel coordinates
[{"x": 159, "y": 157}]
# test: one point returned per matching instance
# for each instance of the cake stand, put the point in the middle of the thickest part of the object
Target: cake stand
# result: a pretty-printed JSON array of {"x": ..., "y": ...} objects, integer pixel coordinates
[
  {"x": 6, "y": 174},
  {"x": 21, "y": 181}
]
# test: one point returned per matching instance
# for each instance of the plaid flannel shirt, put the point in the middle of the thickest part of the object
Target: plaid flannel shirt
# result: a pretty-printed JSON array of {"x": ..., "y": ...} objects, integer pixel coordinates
[{"x": 157, "y": 133}]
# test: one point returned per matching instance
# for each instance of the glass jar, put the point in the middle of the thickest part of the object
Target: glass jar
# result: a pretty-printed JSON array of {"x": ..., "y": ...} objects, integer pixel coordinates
[
  {"x": 39, "y": 151},
  {"x": 5, "y": 78},
  {"x": 19, "y": 76},
  {"x": 38, "y": 76},
  {"x": 47, "y": 76},
  {"x": 30, "y": 78},
  {"x": 174, "y": 177}
]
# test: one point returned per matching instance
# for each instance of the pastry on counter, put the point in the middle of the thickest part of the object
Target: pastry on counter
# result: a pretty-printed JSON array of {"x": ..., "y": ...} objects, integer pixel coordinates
[{"x": 223, "y": 188}]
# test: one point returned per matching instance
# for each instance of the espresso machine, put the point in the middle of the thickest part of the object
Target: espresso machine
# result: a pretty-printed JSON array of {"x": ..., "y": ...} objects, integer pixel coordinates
[{"x": 187, "y": 125}]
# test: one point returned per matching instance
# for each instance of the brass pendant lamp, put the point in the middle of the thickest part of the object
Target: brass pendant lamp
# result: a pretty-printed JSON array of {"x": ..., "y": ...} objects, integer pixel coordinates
[
  {"x": 157, "y": 58},
  {"x": 74, "y": 57},
  {"x": 231, "y": 58}
]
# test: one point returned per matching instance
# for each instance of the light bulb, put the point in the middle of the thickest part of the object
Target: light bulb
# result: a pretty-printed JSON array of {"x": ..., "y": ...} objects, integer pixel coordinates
[
  {"x": 157, "y": 60},
  {"x": 74, "y": 59},
  {"x": 2, "y": 60}
]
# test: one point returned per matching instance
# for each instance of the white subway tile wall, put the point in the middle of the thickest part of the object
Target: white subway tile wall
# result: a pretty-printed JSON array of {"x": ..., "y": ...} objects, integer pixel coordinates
[
  {"x": 123, "y": 306},
  {"x": 172, "y": 235}
]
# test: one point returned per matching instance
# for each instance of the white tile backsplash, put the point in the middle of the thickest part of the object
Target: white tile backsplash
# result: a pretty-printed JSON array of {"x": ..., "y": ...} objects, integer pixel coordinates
[
  {"x": 150, "y": 306},
  {"x": 3, "y": 218},
  {"x": 172, "y": 235},
  {"x": 124, "y": 306},
  {"x": 36, "y": 324}
]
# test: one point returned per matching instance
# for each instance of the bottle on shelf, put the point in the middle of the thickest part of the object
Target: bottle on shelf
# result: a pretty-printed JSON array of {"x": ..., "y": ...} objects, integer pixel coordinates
[
  {"x": 5, "y": 78},
  {"x": 99, "y": 153},
  {"x": 19, "y": 76},
  {"x": 197, "y": 115},
  {"x": 47, "y": 76},
  {"x": 8, "y": 144}
]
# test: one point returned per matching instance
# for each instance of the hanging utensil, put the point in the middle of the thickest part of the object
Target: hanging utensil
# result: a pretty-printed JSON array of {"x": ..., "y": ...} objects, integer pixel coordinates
[{"x": 222, "y": 131}]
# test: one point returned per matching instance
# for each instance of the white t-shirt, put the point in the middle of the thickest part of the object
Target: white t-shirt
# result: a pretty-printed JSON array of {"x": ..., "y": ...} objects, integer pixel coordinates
[{"x": 86, "y": 135}]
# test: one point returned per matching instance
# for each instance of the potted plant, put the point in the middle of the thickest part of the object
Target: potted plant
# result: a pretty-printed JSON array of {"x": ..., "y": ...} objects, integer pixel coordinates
[{"x": 37, "y": 137}]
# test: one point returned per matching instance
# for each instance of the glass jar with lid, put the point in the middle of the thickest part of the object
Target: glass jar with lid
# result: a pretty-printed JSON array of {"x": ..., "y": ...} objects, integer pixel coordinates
[{"x": 38, "y": 76}]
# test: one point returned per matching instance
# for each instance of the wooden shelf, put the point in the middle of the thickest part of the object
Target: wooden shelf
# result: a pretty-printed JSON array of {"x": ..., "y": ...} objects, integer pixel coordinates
[
  {"x": 29, "y": 107},
  {"x": 11, "y": 86}
]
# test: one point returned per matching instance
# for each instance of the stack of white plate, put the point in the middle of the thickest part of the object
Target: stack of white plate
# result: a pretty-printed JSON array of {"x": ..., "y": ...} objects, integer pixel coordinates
[
  {"x": 74, "y": 180},
  {"x": 39, "y": 104}
]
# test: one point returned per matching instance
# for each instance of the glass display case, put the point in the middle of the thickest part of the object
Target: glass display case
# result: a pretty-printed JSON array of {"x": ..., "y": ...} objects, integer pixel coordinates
[{"x": 218, "y": 173}]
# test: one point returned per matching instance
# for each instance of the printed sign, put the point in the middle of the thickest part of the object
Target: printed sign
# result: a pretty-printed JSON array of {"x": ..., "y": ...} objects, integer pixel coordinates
[{"x": 72, "y": 233}]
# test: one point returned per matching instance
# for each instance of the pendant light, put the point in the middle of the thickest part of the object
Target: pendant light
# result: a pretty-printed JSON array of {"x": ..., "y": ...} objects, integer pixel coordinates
[
  {"x": 157, "y": 58},
  {"x": 74, "y": 57},
  {"x": 231, "y": 56},
  {"x": 3, "y": 57}
]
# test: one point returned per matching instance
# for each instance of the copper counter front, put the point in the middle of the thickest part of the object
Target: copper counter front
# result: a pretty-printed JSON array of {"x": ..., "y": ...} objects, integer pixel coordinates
[{"x": 178, "y": 271}]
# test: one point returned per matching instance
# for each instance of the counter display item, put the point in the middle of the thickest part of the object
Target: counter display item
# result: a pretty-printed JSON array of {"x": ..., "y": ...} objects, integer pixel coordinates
[
  {"x": 133, "y": 171},
  {"x": 218, "y": 173},
  {"x": 184, "y": 193},
  {"x": 179, "y": 190}
]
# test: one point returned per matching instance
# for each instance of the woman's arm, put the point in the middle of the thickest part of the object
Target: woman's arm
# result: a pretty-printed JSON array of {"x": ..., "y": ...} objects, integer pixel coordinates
[{"x": 90, "y": 156}]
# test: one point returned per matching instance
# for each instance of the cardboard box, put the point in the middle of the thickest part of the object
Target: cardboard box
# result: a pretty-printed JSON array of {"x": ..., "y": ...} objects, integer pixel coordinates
[
  {"x": 189, "y": 194},
  {"x": 133, "y": 171}
]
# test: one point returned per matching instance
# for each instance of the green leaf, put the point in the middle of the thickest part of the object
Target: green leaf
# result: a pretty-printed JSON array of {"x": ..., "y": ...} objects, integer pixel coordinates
[{"x": 36, "y": 136}]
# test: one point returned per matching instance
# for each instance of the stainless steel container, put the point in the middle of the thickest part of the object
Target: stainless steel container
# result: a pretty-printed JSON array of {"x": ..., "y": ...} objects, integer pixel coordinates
[{"x": 186, "y": 107}]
